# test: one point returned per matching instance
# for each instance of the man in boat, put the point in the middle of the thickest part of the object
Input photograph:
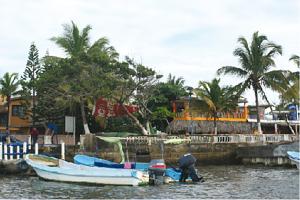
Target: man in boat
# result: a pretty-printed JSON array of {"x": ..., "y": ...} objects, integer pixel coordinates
[{"x": 187, "y": 166}]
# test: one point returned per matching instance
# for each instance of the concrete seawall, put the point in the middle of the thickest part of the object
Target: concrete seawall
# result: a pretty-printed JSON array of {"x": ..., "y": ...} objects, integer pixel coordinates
[
  {"x": 221, "y": 151},
  {"x": 216, "y": 150},
  {"x": 271, "y": 155},
  {"x": 205, "y": 154}
]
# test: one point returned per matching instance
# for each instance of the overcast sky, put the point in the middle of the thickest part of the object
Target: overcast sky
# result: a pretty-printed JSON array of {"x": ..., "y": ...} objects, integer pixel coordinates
[{"x": 188, "y": 38}]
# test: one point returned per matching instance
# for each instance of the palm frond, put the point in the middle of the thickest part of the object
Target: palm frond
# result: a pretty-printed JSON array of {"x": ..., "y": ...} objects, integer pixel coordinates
[
  {"x": 232, "y": 70},
  {"x": 295, "y": 59},
  {"x": 275, "y": 80}
]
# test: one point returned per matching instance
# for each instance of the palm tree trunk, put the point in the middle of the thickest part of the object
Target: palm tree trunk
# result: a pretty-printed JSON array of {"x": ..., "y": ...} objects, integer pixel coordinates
[
  {"x": 8, "y": 114},
  {"x": 215, "y": 125},
  {"x": 289, "y": 125},
  {"x": 135, "y": 120},
  {"x": 148, "y": 126},
  {"x": 257, "y": 111},
  {"x": 84, "y": 121}
]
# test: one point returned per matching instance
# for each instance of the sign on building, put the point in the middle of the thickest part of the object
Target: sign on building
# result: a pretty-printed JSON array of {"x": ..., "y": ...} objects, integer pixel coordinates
[{"x": 70, "y": 124}]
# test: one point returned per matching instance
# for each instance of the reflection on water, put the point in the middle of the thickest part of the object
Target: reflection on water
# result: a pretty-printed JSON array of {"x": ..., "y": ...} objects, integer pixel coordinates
[{"x": 241, "y": 182}]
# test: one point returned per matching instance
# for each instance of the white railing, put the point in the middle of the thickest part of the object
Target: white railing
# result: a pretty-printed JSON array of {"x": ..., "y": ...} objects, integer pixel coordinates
[
  {"x": 14, "y": 151},
  {"x": 198, "y": 139}
]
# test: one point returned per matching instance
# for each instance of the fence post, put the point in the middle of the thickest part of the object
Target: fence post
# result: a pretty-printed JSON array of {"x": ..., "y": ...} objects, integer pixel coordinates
[
  {"x": 264, "y": 139},
  {"x": 215, "y": 139},
  {"x": 5, "y": 151},
  {"x": 1, "y": 152},
  {"x": 36, "y": 149},
  {"x": 24, "y": 148},
  {"x": 11, "y": 151},
  {"x": 62, "y": 150},
  {"x": 286, "y": 137},
  {"x": 29, "y": 140},
  {"x": 18, "y": 152}
]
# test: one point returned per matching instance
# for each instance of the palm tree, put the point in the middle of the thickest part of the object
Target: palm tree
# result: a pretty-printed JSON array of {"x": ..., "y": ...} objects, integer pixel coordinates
[
  {"x": 8, "y": 87},
  {"x": 256, "y": 61},
  {"x": 175, "y": 81},
  {"x": 291, "y": 94},
  {"x": 76, "y": 44},
  {"x": 216, "y": 99},
  {"x": 296, "y": 60}
]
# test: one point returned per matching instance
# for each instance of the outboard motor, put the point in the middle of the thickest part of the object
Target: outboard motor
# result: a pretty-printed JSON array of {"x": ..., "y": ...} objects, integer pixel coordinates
[
  {"x": 187, "y": 166},
  {"x": 157, "y": 170}
]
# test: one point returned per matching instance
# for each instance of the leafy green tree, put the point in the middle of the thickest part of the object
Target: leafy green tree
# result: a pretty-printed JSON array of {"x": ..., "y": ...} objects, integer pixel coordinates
[
  {"x": 216, "y": 99},
  {"x": 87, "y": 67},
  {"x": 256, "y": 61},
  {"x": 30, "y": 76},
  {"x": 9, "y": 84},
  {"x": 48, "y": 107},
  {"x": 160, "y": 102},
  {"x": 136, "y": 83}
]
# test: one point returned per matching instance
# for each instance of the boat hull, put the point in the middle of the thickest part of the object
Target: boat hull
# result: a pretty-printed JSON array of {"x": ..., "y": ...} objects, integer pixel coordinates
[
  {"x": 60, "y": 170},
  {"x": 295, "y": 162},
  {"x": 294, "y": 157},
  {"x": 171, "y": 175},
  {"x": 87, "y": 179}
]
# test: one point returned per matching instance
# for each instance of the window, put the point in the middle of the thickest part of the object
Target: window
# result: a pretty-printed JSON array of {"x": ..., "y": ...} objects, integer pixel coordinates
[
  {"x": 18, "y": 111},
  {"x": 3, "y": 119}
]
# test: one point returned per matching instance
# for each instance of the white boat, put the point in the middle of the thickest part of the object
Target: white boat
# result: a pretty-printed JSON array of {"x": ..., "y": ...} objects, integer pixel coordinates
[
  {"x": 294, "y": 156},
  {"x": 53, "y": 169},
  {"x": 171, "y": 174}
]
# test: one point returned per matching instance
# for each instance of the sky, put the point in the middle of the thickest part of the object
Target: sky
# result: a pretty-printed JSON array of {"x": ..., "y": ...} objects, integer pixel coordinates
[{"x": 187, "y": 38}]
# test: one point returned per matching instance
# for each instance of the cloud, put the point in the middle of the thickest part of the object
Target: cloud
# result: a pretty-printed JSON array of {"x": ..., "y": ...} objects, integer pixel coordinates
[{"x": 190, "y": 38}]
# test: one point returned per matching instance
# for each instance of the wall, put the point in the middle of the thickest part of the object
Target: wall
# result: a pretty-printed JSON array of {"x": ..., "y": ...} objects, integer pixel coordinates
[
  {"x": 205, "y": 153},
  {"x": 208, "y": 127},
  {"x": 68, "y": 139},
  {"x": 230, "y": 149},
  {"x": 272, "y": 154}
]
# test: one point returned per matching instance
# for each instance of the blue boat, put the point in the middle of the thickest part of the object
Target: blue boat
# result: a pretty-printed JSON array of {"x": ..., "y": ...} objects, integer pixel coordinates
[
  {"x": 172, "y": 174},
  {"x": 294, "y": 156},
  {"x": 93, "y": 161}
]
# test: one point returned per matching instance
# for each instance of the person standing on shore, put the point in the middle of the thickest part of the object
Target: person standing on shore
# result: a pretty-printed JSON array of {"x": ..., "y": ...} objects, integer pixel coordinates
[
  {"x": 7, "y": 136},
  {"x": 34, "y": 135},
  {"x": 52, "y": 130}
]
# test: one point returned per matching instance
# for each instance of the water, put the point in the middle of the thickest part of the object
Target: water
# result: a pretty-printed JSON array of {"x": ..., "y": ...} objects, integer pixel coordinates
[{"x": 222, "y": 182}]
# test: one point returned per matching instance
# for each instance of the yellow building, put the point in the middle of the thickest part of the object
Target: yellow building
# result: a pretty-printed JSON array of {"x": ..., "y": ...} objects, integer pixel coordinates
[
  {"x": 19, "y": 120},
  {"x": 187, "y": 109}
]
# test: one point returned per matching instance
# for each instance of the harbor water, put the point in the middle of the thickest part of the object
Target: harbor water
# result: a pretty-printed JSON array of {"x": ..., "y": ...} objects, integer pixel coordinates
[{"x": 229, "y": 182}]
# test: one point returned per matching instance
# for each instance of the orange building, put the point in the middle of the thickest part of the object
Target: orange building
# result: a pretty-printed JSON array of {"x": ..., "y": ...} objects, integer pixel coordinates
[
  {"x": 19, "y": 120},
  {"x": 188, "y": 109}
]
